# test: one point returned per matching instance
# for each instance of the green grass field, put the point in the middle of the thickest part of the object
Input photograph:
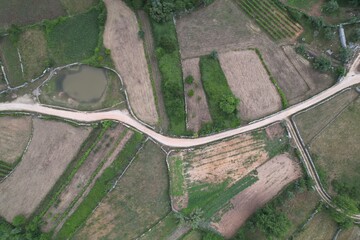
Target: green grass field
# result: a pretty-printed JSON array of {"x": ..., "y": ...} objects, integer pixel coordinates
[
  {"x": 171, "y": 71},
  {"x": 216, "y": 87},
  {"x": 273, "y": 19},
  {"x": 139, "y": 200},
  {"x": 101, "y": 187},
  {"x": 177, "y": 176},
  {"x": 78, "y": 6},
  {"x": 163, "y": 229},
  {"x": 302, "y": 4},
  {"x": 73, "y": 39}
]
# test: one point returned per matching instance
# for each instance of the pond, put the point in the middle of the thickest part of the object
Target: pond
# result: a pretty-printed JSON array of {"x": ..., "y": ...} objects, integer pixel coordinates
[{"x": 82, "y": 83}]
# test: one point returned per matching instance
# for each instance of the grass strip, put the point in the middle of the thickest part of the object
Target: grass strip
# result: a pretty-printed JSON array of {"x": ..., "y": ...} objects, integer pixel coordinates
[
  {"x": 177, "y": 176},
  {"x": 102, "y": 185},
  {"x": 284, "y": 100},
  {"x": 171, "y": 73},
  {"x": 216, "y": 88},
  {"x": 211, "y": 198}
]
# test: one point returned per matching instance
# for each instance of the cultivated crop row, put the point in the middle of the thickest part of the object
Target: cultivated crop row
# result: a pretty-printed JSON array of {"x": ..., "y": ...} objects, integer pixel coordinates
[
  {"x": 5, "y": 169},
  {"x": 270, "y": 17}
]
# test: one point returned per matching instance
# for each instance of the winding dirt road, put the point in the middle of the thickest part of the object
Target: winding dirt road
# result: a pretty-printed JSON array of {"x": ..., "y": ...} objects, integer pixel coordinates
[{"x": 351, "y": 79}]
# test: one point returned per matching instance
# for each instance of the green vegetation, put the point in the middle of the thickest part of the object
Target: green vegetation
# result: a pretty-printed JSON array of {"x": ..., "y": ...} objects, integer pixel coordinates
[
  {"x": 210, "y": 198},
  {"x": 176, "y": 175},
  {"x": 167, "y": 50},
  {"x": 271, "y": 17},
  {"x": 101, "y": 187},
  {"x": 5, "y": 169},
  {"x": 330, "y": 7},
  {"x": 189, "y": 79},
  {"x": 322, "y": 63},
  {"x": 223, "y": 113},
  {"x": 302, "y": 4},
  {"x": 73, "y": 39},
  {"x": 163, "y": 229},
  {"x": 79, "y": 6}
]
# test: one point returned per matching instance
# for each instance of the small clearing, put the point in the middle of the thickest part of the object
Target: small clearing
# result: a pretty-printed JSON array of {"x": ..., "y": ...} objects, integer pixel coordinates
[
  {"x": 197, "y": 107},
  {"x": 14, "y": 137},
  {"x": 250, "y": 83},
  {"x": 127, "y": 51},
  {"x": 53, "y": 147},
  {"x": 273, "y": 176}
]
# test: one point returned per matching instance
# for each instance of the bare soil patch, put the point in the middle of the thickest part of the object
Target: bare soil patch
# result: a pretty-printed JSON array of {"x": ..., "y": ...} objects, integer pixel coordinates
[
  {"x": 53, "y": 146},
  {"x": 275, "y": 131},
  {"x": 250, "y": 83},
  {"x": 82, "y": 177},
  {"x": 350, "y": 234},
  {"x": 223, "y": 27},
  {"x": 273, "y": 176},
  {"x": 197, "y": 107},
  {"x": 14, "y": 137},
  {"x": 127, "y": 51}
]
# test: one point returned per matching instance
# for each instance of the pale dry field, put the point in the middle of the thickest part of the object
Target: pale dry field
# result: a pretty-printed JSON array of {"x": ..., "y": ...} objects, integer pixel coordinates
[
  {"x": 53, "y": 147},
  {"x": 14, "y": 137},
  {"x": 232, "y": 159},
  {"x": 197, "y": 107},
  {"x": 127, "y": 51},
  {"x": 82, "y": 176},
  {"x": 273, "y": 176},
  {"x": 250, "y": 83}
]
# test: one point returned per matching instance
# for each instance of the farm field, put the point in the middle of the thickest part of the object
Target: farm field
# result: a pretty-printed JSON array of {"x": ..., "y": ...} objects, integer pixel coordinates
[
  {"x": 204, "y": 30},
  {"x": 138, "y": 201},
  {"x": 325, "y": 113},
  {"x": 226, "y": 167},
  {"x": 79, "y": 6},
  {"x": 48, "y": 155},
  {"x": 28, "y": 12},
  {"x": 33, "y": 49},
  {"x": 121, "y": 37},
  {"x": 163, "y": 229},
  {"x": 84, "y": 88},
  {"x": 273, "y": 176},
  {"x": 271, "y": 18},
  {"x": 15, "y": 134},
  {"x": 335, "y": 150},
  {"x": 320, "y": 227},
  {"x": 101, "y": 156},
  {"x": 250, "y": 83},
  {"x": 196, "y": 104},
  {"x": 350, "y": 234}
]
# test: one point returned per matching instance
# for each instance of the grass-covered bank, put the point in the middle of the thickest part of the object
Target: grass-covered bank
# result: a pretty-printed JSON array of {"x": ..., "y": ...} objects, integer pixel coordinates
[
  {"x": 101, "y": 187},
  {"x": 169, "y": 59},
  {"x": 222, "y": 102}
]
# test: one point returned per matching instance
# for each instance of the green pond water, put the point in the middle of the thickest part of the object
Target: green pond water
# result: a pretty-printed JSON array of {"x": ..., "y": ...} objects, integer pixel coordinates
[{"x": 82, "y": 83}]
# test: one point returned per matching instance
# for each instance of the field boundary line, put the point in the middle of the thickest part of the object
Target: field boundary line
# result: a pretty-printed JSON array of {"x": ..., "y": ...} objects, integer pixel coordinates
[{"x": 155, "y": 224}]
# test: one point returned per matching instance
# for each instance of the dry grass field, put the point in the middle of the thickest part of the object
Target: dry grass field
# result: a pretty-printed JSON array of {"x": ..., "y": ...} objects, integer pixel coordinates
[
  {"x": 197, "y": 107},
  {"x": 34, "y": 61},
  {"x": 127, "y": 51},
  {"x": 223, "y": 27},
  {"x": 48, "y": 155},
  {"x": 250, "y": 83},
  {"x": 320, "y": 227},
  {"x": 273, "y": 176},
  {"x": 85, "y": 173},
  {"x": 139, "y": 200},
  {"x": 324, "y": 114},
  {"x": 350, "y": 234},
  {"x": 14, "y": 137}
]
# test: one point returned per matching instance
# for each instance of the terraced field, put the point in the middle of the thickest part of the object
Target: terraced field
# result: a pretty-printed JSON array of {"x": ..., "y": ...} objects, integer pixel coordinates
[{"x": 271, "y": 18}]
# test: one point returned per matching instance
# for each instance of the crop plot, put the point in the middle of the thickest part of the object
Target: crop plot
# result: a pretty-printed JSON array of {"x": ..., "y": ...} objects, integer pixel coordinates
[
  {"x": 271, "y": 18},
  {"x": 48, "y": 155},
  {"x": 208, "y": 177},
  {"x": 250, "y": 83},
  {"x": 14, "y": 137},
  {"x": 272, "y": 177},
  {"x": 138, "y": 201}
]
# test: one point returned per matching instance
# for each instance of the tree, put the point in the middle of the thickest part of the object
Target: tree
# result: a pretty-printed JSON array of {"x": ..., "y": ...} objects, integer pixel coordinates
[
  {"x": 168, "y": 44},
  {"x": 193, "y": 220},
  {"x": 228, "y": 103},
  {"x": 330, "y": 7},
  {"x": 345, "y": 54},
  {"x": 273, "y": 223},
  {"x": 355, "y": 37},
  {"x": 329, "y": 34},
  {"x": 322, "y": 64},
  {"x": 161, "y": 12}
]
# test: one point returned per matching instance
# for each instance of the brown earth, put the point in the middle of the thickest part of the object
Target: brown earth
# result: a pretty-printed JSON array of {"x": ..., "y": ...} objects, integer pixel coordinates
[
  {"x": 350, "y": 234},
  {"x": 127, "y": 51},
  {"x": 273, "y": 176},
  {"x": 250, "y": 83},
  {"x": 48, "y": 155},
  {"x": 108, "y": 162},
  {"x": 223, "y": 27},
  {"x": 14, "y": 137},
  {"x": 197, "y": 107},
  {"x": 275, "y": 131},
  {"x": 82, "y": 176}
]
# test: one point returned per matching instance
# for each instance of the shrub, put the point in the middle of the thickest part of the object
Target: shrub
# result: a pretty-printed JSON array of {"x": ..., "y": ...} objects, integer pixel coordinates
[
  {"x": 355, "y": 37},
  {"x": 329, "y": 33},
  {"x": 344, "y": 54},
  {"x": 272, "y": 223},
  {"x": 168, "y": 44},
  {"x": 161, "y": 12},
  {"x": 141, "y": 34},
  {"x": 330, "y": 7},
  {"x": 228, "y": 103},
  {"x": 19, "y": 221},
  {"x": 189, "y": 79},
  {"x": 300, "y": 49},
  {"x": 322, "y": 64},
  {"x": 190, "y": 93}
]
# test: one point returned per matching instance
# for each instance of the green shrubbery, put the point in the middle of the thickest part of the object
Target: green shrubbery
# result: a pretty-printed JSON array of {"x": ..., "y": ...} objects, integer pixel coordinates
[{"x": 222, "y": 102}]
